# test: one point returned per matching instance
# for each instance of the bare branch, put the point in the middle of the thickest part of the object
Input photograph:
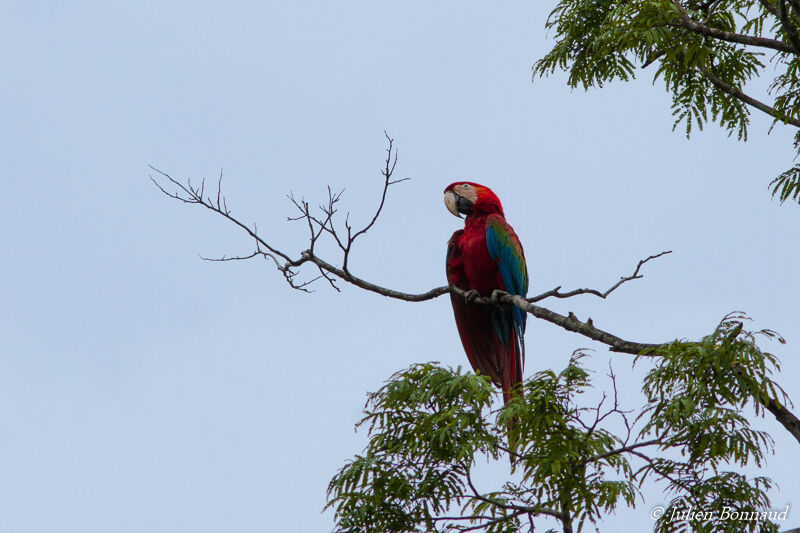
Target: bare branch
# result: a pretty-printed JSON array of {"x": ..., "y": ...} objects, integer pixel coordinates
[
  {"x": 389, "y": 167},
  {"x": 569, "y": 322},
  {"x": 388, "y": 170},
  {"x": 289, "y": 268},
  {"x": 191, "y": 195},
  {"x": 557, "y": 294},
  {"x": 331, "y": 281},
  {"x": 231, "y": 258},
  {"x": 285, "y": 264}
]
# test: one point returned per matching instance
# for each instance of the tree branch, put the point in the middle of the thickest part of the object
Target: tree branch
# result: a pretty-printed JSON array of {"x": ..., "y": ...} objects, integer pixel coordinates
[
  {"x": 193, "y": 195},
  {"x": 785, "y": 417},
  {"x": 388, "y": 170},
  {"x": 289, "y": 267},
  {"x": 569, "y": 322},
  {"x": 555, "y": 292},
  {"x": 534, "y": 510},
  {"x": 492, "y": 522},
  {"x": 738, "y": 94},
  {"x": 782, "y": 15},
  {"x": 623, "y": 449},
  {"x": 694, "y": 26}
]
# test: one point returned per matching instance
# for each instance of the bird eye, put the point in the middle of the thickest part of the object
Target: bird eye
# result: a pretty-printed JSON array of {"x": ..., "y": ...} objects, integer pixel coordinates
[{"x": 466, "y": 185}]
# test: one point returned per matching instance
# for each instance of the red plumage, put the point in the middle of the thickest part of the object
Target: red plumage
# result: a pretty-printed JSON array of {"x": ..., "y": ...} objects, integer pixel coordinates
[{"x": 491, "y": 336}]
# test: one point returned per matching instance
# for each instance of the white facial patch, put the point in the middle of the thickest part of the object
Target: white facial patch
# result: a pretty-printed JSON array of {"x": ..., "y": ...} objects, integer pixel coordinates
[{"x": 468, "y": 191}]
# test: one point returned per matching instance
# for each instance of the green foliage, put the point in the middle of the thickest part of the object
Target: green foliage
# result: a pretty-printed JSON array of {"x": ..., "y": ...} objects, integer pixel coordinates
[
  {"x": 715, "y": 496},
  {"x": 706, "y": 52},
  {"x": 562, "y": 449},
  {"x": 787, "y": 185},
  {"x": 425, "y": 423},
  {"x": 428, "y": 426},
  {"x": 695, "y": 395}
]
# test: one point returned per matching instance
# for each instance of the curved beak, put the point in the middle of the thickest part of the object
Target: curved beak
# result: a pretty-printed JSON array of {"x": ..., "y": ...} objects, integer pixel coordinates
[
  {"x": 457, "y": 204},
  {"x": 450, "y": 202}
]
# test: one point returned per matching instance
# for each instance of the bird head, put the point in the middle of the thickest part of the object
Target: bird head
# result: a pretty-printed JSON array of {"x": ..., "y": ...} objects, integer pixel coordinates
[{"x": 468, "y": 198}]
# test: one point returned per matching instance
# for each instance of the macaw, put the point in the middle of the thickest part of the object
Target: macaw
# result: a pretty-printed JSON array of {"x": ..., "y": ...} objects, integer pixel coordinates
[{"x": 483, "y": 257}]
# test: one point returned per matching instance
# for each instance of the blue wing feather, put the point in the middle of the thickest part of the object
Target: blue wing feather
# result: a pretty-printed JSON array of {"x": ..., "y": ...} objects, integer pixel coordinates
[{"x": 505, "y": 249}]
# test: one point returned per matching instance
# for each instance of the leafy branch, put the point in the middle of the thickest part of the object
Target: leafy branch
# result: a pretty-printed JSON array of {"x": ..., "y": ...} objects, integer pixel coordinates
[
  {"x": 706, "y": 53},
  {"x": 428, "y": 426}
]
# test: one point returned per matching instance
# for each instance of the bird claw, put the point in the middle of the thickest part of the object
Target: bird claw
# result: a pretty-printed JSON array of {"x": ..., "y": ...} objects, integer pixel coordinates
[
  {"x": 470, "y": 296},
  {"x": 496, "y": 295}
]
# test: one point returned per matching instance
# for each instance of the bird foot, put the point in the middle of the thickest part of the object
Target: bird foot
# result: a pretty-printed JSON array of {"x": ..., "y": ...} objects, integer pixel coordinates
[
  {"x": 496, "y": 295},
  {"x": 470, "y": 296}
]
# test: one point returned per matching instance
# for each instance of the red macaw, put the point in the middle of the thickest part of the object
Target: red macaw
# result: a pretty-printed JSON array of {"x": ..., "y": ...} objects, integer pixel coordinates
[{"x": 483, "y": 257}]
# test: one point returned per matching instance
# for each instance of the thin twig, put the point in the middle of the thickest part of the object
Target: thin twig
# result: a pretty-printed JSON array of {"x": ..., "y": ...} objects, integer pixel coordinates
[
  {"x": 557, "y": 294},
  {"x": 493, "y": 521},
  {"x": 534, "y": 510},
  {"x": 388, "y": 170},
  {"x": 623, "y": 449}
]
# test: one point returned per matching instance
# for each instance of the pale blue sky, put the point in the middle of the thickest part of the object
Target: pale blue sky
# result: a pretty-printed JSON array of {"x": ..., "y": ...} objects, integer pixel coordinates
[{"x": 142, "y": 389}]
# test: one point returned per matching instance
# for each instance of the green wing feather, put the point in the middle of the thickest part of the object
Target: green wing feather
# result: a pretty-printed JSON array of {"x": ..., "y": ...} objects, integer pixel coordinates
[{"x": 504, "y": 247}]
